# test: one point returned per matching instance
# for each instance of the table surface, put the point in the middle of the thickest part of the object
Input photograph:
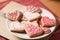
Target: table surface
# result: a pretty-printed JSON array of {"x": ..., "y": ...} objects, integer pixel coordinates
[{"x": 52, "y": 5}]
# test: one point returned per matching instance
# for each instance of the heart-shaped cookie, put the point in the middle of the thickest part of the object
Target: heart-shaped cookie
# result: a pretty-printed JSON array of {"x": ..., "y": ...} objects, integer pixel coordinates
[
  {"x": 16, "y": 15},
  {"x": 46, "y": 21},
  {"x": 32, "y": 30},
  {"x": 31, "y": 16},
  {"x": 33, "y": 9}
]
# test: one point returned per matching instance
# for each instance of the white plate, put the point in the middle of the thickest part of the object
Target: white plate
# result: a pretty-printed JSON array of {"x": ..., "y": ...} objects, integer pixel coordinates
[{"x": 24, "y": 36}]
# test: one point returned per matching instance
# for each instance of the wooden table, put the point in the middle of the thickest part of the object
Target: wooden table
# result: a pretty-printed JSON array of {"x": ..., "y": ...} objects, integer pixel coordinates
[{"x": 52, "y": 5}]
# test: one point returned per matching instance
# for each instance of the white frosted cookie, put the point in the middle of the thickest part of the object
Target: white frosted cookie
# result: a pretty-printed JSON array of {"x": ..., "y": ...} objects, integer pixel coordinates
[
  {"x": 16, "y": 27},
  {"x": 31, "y": 16}
]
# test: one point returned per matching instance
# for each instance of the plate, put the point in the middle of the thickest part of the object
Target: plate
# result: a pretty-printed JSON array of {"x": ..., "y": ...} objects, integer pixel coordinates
[{"x": 24, "y": 36}]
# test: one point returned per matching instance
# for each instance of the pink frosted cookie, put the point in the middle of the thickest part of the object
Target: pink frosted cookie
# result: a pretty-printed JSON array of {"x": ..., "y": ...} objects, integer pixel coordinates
[
  {"x": 32, "y": 30},
  {"x": 46, "y": 30},
  {"x": 33, "y": 9},
  {"x": 16, "y": 15},
  {"x": 46, "y": 21}
]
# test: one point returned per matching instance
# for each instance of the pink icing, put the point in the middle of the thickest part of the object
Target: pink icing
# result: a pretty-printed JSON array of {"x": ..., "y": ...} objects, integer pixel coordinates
[
  {"x": 13, "y": 15},
  {"x": 46, "y": 30},
  {"x": 33, "y": 29},
  {"x": 47, "y": 21},
  {"x": 33, "y": 8}
]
